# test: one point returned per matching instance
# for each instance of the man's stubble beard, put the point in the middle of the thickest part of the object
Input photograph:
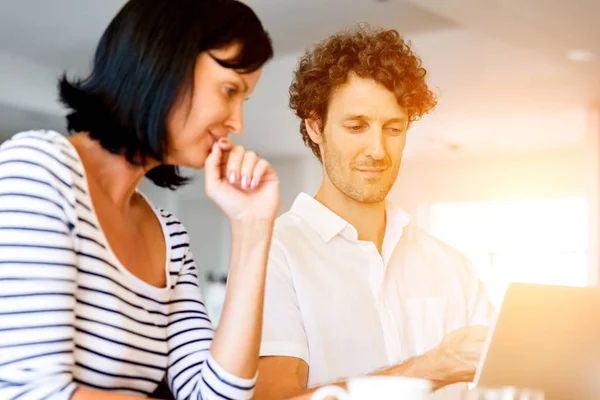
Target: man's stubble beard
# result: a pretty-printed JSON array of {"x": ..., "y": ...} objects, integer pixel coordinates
[{"x": 360, "y": 192}]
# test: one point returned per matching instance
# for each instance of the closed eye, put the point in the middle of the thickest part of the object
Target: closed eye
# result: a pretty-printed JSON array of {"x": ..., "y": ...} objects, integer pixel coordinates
[
  {"x": 394, "y": 131},
  {"x": 231, "y": 91},
  {"x": 355, "y": 128}
]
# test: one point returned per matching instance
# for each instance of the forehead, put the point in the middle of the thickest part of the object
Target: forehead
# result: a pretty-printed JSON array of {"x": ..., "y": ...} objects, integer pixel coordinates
[
  {"x": 206, "y": 64},
  {"x": 359, "y": 96}
]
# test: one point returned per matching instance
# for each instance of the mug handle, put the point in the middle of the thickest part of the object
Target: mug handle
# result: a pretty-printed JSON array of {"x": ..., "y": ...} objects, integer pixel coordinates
[{"x": 330, "y": 391}]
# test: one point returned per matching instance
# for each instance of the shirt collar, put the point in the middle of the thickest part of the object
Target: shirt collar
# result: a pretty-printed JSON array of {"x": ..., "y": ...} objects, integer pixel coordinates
[
  {"x": 328, "y": 224},
  {"x": 320, "y": 218}
]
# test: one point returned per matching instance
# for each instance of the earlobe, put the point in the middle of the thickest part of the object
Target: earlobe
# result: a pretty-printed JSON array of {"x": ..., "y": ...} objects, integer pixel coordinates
[{"x": 312, "y": 127}]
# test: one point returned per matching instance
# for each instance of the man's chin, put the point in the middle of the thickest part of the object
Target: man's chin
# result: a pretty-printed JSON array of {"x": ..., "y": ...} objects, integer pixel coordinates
[
  {"x": 373, "y": 200},
  {"x": 363, "y": 191},
  {"x": 368, "y": 197}
]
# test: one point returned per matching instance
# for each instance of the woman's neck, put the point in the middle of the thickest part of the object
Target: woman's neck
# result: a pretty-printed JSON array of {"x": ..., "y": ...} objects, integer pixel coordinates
[{"x": 111, "y": 173}]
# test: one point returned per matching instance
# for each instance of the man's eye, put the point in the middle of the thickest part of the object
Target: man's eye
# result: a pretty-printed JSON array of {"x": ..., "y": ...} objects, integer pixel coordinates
[
  {"x": 395, "y": 131},
  {"x": 355, "y": 128}
]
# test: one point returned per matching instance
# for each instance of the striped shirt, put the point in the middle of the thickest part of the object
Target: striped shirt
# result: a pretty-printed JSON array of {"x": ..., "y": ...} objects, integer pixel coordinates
[{"x": 70, "y": 314}]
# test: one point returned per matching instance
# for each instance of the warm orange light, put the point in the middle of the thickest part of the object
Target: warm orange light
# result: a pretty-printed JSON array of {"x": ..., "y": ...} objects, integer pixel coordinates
[{"x": 536, "y": 241}]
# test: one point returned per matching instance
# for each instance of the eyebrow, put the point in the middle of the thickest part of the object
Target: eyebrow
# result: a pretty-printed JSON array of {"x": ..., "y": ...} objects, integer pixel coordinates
[
  {"x": 355, "y": 116},
  {"x": 366, "y": 117},
  {"x": 398, "y": 120},
  {"x": 246, "y": 88}
]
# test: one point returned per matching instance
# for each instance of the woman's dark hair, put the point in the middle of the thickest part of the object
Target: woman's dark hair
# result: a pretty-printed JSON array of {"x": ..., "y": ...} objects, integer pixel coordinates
[{"x": 144, "y": 61}]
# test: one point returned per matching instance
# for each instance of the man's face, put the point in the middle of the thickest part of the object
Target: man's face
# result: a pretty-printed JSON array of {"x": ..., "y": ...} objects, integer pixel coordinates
[{"x": 363, "y": 139}]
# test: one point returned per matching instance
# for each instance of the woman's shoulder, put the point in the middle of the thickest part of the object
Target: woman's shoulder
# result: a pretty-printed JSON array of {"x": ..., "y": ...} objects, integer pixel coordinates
[
  {"x": 178, "y": 244},
  {"x": 40, "y": 154},
  {"x": 40, "y": 166},
  {"x": 172, "y": 225},
  {"x": 48, "y": 149},
  {"x": 176, "y": 235},
  {"x": 44, "y": 139}
]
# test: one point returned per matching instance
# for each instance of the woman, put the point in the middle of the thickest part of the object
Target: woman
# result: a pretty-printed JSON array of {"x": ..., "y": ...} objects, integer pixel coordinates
[{"x": 99, "y": 295}]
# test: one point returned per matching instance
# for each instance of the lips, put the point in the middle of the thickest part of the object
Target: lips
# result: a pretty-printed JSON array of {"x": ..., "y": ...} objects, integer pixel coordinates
[
  {"x": 372, "y": 173},
  {"x": 373, "y": 170}
]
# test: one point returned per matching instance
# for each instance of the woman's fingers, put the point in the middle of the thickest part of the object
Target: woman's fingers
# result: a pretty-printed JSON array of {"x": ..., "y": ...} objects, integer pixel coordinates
[
  {"x": 247, "y": 169},
  {"x": 225, "y": 144},
  {"x": 261, "y": 170},
  {"x": 242, "y": 169},
  {"x": 234, "y": 163},
  {"x": 212, "y": 165}
]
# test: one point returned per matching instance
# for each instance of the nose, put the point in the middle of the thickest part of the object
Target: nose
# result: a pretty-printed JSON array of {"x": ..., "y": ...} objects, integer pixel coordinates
[
  {"x": 376, "y": 146},
  {"x": 235, "y": 122}
]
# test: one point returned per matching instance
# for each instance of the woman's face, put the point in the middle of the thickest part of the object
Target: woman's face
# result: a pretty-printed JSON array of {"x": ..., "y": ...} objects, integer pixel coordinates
[{"x": 210, "y": 111}]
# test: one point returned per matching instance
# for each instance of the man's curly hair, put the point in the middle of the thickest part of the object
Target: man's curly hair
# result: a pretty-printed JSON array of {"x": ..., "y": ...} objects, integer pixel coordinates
[{"x": 375, "y": 53}]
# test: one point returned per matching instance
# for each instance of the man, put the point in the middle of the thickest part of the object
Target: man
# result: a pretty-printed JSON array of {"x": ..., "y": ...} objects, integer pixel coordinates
[{"x": 352, "y": 287}]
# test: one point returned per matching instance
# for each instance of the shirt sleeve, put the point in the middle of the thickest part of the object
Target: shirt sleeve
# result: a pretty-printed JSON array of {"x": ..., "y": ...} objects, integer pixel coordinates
[
  {"x": 283, "y": 326},
  {"x": 37, "y": 275},
  {"x": 192, "y": 372}
]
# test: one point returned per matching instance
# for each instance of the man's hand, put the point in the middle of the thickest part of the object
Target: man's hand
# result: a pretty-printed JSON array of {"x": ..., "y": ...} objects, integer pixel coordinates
[
  {"x": 454, "y": 360},
  {"x": 458, "y": 354}
]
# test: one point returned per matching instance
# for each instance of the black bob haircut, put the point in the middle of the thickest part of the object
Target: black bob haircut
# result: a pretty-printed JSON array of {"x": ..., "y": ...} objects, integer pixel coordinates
[{"x": 144, "y": 60}]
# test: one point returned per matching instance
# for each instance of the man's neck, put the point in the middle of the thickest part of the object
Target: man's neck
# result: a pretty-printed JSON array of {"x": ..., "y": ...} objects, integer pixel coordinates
[{"x": 369, "y": 219}]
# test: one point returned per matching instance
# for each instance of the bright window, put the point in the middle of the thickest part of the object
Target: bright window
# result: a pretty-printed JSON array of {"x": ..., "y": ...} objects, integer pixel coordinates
[{"x": 536, "y": 241}]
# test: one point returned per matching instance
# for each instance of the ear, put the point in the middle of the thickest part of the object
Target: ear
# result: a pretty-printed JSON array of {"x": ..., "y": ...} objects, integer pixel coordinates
[{"x": 314, "y": 132}]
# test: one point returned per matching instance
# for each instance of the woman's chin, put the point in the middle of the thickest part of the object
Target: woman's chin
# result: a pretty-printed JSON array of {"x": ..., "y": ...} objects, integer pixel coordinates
[
  {"x": 198, "y": 161},
  {"x": 193, "y": 156}
]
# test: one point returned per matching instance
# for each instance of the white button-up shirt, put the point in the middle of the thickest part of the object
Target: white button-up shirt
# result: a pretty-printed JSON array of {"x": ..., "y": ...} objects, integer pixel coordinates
[{"x": 347, "y": 310}]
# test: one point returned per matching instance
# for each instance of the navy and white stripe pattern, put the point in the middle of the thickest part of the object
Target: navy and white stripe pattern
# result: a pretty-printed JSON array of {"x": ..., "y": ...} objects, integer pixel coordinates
[{"x": 70, "y": 314}]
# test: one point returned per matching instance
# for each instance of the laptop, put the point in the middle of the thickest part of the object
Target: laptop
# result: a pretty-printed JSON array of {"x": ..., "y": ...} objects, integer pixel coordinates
[{"x": 545, "y": 337}]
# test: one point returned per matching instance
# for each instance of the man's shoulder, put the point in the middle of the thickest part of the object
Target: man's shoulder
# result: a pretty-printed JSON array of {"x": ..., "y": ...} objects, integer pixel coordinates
[
  {"x": 440, "y": 257},
  {"x": 433, "y": 245},
  {"x": 290, "y": 226},
  {"x": 294, "y": 238}
]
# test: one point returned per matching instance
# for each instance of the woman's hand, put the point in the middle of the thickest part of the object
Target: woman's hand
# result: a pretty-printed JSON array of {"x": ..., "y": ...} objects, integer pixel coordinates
[
  {"x": 244, "y": 186},
  {"x": 246, "y": 189}
]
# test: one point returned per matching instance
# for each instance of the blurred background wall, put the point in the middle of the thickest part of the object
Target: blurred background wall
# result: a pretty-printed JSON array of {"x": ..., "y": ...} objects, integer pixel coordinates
[{"x": 506, "y": 168}]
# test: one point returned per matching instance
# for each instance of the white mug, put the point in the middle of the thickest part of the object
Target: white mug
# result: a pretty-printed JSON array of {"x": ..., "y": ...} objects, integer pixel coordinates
[{"x": 378, "y": 387}]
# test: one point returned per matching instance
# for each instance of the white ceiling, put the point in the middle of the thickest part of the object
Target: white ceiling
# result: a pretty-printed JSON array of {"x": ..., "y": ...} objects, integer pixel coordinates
[
  {"x": 294, "y": 25},
  {"x": 63, "y": 33},
  {"x": 500, "y": 67}
]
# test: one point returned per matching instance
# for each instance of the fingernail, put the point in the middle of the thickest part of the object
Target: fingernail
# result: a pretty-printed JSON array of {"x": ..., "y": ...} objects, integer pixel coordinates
[
  {"x": 244, "y": 182},
  {"x": 223, "y": 141},
  {"x": 232, "y": 177},
  {"x": 254, "y": 183}
]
